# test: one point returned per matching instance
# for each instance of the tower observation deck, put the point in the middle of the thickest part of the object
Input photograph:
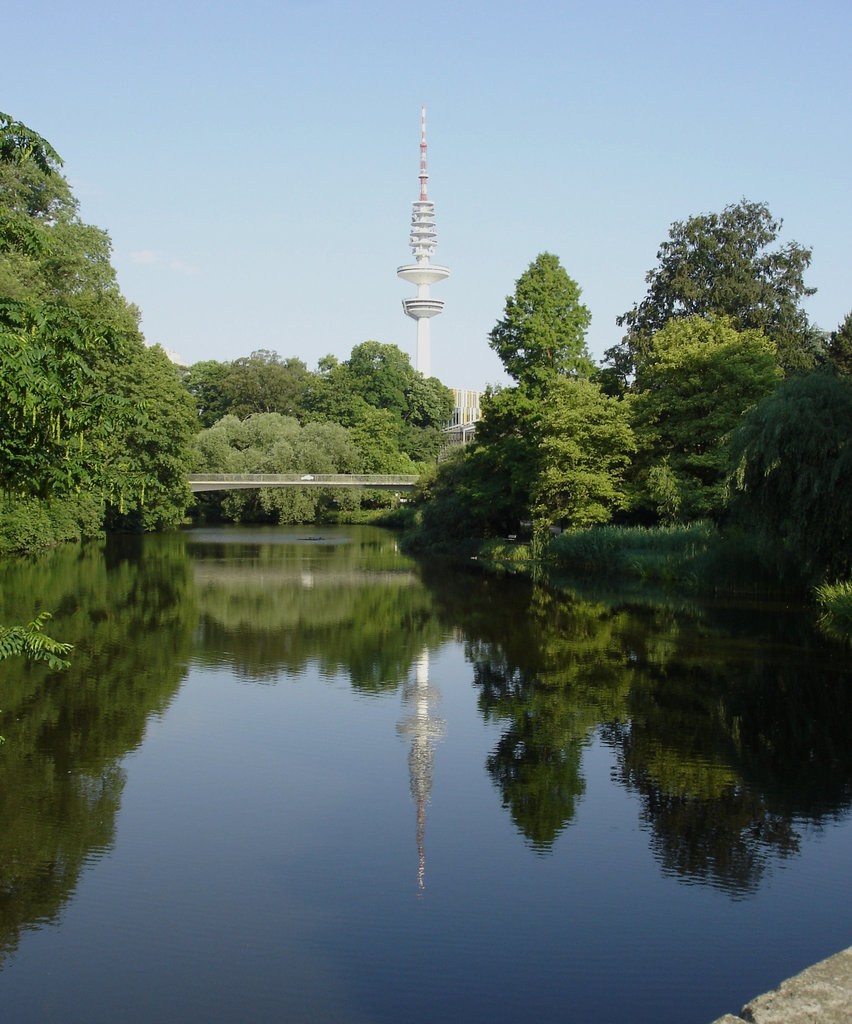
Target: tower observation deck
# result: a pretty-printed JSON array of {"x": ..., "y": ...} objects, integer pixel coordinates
[{"x": 423, "y": 272}]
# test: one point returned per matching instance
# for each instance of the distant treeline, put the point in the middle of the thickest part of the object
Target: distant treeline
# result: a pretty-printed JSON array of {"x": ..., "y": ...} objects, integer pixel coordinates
[{"x": 722, "y": 403}]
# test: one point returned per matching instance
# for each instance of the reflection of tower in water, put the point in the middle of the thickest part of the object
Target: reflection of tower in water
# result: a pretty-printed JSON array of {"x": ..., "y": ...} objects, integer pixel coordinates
[{"x": 425, "y": 731}]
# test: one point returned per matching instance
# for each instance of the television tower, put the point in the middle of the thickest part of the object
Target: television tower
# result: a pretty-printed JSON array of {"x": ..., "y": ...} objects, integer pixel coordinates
[
  {"x": 424, "y": 238},
  {"x": 425, "y": 731}
]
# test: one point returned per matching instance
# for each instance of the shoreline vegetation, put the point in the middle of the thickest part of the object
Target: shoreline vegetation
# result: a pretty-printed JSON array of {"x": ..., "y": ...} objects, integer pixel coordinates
[
  {"x": 716, "y": 433},
  {"x": 697, "y": 558}
]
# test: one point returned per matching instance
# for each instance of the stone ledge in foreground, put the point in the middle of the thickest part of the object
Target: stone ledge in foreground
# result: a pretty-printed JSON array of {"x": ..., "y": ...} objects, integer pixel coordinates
[{"x": 822, "y": 994}]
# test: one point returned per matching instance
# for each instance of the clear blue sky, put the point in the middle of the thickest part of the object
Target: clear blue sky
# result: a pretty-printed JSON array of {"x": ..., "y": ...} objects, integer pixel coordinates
[{"x": 255, "y": 162}]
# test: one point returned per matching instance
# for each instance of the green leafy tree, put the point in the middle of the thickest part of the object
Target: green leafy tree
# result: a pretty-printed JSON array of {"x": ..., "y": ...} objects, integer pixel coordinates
[
  {"x": 394, "y": 411},
  {"x": 88, "y": 410},
  {"x": 542, "y": 332},
  {"x": 698, "y": 379},
  {"x": 57, "y": 415},
  {"x": 20, "y": 145},
  {"x": 723, "y": 264},
  {"x": 792, "y": 475},
  {"x": 381, "y": 375},
  {"x": 153, "y": 453},
  {"x": 65, "y": 261},
  {"x": 585, "y": 448},
  {"x": 840, "y": 346},
  {"x": 207, "y": 383},
  {"x": 264, "y": 382}
]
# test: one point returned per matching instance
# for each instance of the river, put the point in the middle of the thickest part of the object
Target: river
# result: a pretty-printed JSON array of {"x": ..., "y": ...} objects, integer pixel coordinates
[{"x": 295, "y": 775}]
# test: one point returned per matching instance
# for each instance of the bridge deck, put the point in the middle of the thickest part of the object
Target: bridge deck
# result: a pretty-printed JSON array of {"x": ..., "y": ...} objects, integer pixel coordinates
[{"x": 244, "y": 481}]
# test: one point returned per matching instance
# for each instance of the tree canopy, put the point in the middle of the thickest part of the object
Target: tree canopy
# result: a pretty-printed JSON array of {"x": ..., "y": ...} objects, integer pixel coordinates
[
  {"x": 543, "y": 329},
  {"x": 792, "y": 470},
  {"x": 697, "y": 380},
  {"x": 81, "y": 421},
  {"x": 585, "y": 448},
  {"x": 724, "y": 264},
  {"x": 840, "y": 346}
]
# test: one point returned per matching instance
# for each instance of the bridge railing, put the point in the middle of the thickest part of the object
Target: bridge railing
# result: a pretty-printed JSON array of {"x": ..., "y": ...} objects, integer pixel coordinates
[{"x": 236, "y": 481}]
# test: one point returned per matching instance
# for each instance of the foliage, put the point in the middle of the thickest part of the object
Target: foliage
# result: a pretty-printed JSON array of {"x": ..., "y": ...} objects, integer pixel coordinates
[
  {"x": 264, "y": 382},
  {"x": 696, "y": 381},
  {"x": 792, "y": 471},
  {"x": 697, "y": 555},
  {"x": 542, "y": 333},
  {"x": 835, "y": 599},
  {"x": 272, "y": 443},
  {"x": 32, "y": 642},
  {"x": 553, "y": 445},
  {"x": 19, "y": 143},
  {"x": 57, "y": 414},
  {"x": 839, "y": 350},
  {"x": 394, "y": 410},
  {"x": 207, "y": 383},
  {"x": 585, "y": 447},
  {"x": 31, "y": 524},
  {"x": 154, "y": 451},
  {"x": 90, "y": 415},
  {"x": 724, "y": 265},
  {"x": 395, "y": 415}
]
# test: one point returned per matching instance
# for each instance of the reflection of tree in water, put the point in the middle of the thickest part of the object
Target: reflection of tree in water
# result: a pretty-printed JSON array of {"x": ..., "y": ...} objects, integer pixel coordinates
[
  {"x": 354, "y": 607},
  {"x": 733, "y": 724},
  {"x": 550, "y": 671},
  {"x": 536, "y": 766},
  {"x": 128, "y": 610},
  {"x": 735, "y": 748}
]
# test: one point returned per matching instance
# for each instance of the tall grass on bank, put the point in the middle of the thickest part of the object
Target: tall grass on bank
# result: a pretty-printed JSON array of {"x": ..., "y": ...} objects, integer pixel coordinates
[
  {"x": 698, "y": 555},
  {"x": 835, "y": 600}
]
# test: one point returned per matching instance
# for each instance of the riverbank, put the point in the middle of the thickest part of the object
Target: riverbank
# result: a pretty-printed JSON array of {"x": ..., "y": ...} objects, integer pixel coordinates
[
  {"x": 822, "y": 993},
  {"x": 696, "y": 558}
]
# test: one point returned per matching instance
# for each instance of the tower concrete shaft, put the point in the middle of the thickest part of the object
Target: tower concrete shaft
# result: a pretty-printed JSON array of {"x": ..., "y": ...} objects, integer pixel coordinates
[{"x": 423, "y": 272}]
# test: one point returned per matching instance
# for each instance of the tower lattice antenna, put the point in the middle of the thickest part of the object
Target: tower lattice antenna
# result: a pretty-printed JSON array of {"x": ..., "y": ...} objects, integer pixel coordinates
[
  {"x": 424, "y": 177},
  {"x": 423, "y": 273}
]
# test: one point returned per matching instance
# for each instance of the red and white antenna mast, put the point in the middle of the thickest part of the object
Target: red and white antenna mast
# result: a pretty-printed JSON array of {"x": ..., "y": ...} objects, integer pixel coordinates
[
  {"x": 423, "y": 273},
  {"x": 424, "y": 177}
]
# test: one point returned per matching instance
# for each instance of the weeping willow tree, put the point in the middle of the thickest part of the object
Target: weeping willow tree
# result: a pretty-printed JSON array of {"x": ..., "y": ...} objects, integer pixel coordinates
[{"x": 792, "y": 475}]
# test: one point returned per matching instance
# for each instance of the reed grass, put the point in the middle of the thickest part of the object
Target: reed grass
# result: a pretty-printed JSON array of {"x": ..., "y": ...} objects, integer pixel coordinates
[
  {"x": 696, "y": 555},
  {"x": 835, "y": 602}
]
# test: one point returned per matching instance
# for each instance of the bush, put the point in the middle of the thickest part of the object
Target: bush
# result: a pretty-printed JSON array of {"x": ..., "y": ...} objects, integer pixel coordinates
[{"x": 27, "y": 524}]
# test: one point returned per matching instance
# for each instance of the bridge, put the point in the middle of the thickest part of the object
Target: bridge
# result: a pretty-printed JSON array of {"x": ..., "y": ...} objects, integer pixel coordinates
[{"x": 246, "y": 481}]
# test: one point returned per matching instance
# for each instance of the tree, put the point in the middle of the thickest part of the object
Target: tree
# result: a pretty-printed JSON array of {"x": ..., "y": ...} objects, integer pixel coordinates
[
  {"x": 207, "y": 382},
  {"x": 19, "y": 143},
  {"x": 381, "y": 375},
  {"x": 91, "y": 417},
  {"x": 840, "y": 346},
  {"x": 150, "y": 458},
  {"x": 792, "y": 470},
  {"x": 542, "y": 332},
  {"x": 698, "y": 379},
  {"x": 264, "y": 382},
  {"x": 378, "y": 389},
  {"x": 57, "y": 416},
  {"x": 723, "y": 265},
  {"x": 586, "y": 443}
]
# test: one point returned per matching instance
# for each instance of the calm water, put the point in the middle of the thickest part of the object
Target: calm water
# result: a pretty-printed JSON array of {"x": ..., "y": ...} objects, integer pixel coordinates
[{"x": 293, "y": 775}]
